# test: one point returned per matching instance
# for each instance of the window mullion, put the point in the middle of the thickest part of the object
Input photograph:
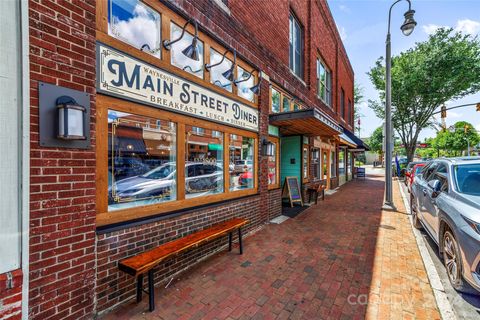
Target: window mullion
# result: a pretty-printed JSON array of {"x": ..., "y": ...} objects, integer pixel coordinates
[
  {"x": 181, "y": 144},
  {"x": 226, "y": 162}
]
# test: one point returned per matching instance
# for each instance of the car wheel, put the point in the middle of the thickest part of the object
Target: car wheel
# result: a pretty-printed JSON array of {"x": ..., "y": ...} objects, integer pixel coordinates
[
  {"x": 453, "y": 263},
  {"x": 413, "y": 211}
]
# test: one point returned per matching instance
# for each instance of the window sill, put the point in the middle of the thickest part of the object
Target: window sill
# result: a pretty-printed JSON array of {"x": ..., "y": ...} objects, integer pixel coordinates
[
  {"x": 136, "y": 213},
  {"x": 297, "y": 76}
]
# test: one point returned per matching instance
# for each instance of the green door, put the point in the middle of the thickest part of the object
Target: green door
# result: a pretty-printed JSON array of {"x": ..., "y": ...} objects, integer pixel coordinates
[{"x": 290, "y": 158}]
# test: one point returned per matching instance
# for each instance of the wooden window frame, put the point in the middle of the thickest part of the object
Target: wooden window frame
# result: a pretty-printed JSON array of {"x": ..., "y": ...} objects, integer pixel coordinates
[
  {"x": 291, "y": 62},
  {"x": 328, "y": 91},
  {"x": 305, "y": 147},
  {"x": 319, "y": 164},
  {"x": 167, "y": 16},
  {"x": 105, "y": 217},
  {"x": 283, "y": 94},
  {"x": 275, "y": 140},
  {"x": 342, "y": 104}
]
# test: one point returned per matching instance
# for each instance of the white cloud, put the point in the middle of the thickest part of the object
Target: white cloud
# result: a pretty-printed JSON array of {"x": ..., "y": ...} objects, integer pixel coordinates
[
  {"x": 466, "y": 26},
  {"x": 453, "y": 114},
  {"x": 478, "y": 127},
  {"x": 344, "y": 8}
]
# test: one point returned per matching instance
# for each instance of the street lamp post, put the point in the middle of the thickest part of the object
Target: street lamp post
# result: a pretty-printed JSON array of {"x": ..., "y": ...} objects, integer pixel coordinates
[{"x": 407, "y": 28}]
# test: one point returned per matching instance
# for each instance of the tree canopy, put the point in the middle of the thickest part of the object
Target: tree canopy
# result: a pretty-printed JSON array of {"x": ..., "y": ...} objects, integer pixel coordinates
[
  {"x": 375, "y": 142},
  {"x": 443, "y": 68}
]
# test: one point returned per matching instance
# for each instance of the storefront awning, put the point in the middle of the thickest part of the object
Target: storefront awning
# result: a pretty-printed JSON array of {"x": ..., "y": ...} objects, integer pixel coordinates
[
  {"x": 359, "y": 144},
  {"x": 309, "y": 122},
  {"x": 345, "y": 140}
]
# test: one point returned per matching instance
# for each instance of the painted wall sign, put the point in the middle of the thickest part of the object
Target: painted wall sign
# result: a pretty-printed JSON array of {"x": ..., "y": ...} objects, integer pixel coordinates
[{"x": 123, "y": 76}]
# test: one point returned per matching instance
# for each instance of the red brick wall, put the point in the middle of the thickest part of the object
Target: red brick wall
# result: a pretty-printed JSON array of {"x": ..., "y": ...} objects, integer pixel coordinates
[
  {"x": 274, "y": 203},
  {"x": 62, "y": 199},
  {"x": 11, "y": 295}
]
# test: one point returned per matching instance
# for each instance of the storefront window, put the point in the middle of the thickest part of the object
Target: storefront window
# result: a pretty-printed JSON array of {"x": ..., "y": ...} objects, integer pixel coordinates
[
  {"x": 341, "y": 162},
  {"x": 325, "y": 165},
  {"x": 141, "y": 161},
  {"x": 324, "y": 83},
  {"x": 349, "y": 164},
  {"x": 178, "y": 59},
  {"x": 203, "y": 162},
  {"x": 275, "y": 101},
  {"x": 241, "y": 153},
  {"x": 136, "y": 24},
  {"x": 316, "y": 163},
  {"x": 305, "y": 162},
  {"x": 333, "y": 171},
  {"x": 273, "y": 162},
  {"x": 244, "y": 86},
  {"x": 216, "y": 76},
  {"x": 286, "y": 104}
]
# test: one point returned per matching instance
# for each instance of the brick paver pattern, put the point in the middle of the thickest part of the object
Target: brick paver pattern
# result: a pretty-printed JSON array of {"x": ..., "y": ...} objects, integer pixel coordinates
[{"x": 341, "y": 259}]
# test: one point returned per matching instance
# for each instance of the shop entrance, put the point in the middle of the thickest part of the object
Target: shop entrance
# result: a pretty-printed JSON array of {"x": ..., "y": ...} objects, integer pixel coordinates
[{"x": 290, "y": 158}]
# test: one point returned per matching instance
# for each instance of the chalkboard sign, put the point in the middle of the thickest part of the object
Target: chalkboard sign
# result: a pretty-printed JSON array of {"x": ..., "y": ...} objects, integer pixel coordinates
[{"x": 291, "y": 189}]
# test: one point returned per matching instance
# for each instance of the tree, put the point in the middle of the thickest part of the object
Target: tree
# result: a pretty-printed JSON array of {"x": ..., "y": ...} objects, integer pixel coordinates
[
  {"x": 443, "y": 68},
  {"x": 375, "y": 142},
  {"x": 357, "y": 100},
  {"x": 463, "y": 135}
]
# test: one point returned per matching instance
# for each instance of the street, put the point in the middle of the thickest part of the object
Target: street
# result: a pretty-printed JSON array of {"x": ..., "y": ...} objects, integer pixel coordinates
[{"x": 465, "y": 306}]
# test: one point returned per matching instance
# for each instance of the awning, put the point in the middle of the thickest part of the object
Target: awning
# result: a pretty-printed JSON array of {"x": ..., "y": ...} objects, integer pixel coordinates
[
  {"x": 359, "y": 144},
  {"x": 309, "y": 122},
  {"x": 345, "y": 140}
]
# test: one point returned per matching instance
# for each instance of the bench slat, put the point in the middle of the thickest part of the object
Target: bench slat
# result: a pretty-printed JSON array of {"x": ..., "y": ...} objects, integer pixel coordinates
[{"x": 145, "y": 261}]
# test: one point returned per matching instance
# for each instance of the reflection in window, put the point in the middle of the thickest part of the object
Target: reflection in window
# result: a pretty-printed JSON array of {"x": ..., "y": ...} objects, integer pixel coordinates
[
  {"x": 178, "y": 58},
  {"x": 141, "y": 163},
  {"x": 305, "y": 162},
  {"x": 286, "y": 104},
  {"x": 316, "y": 163},
  {"x": 216, "y": 76},
  {"x": 244, "y": 86},
  {"x": 333, "y": 171},
  {"x": 241, "y": 162},
  {"x": 275, "y": 101},
  {"x": 272, "y": 164},
  {"x": 134, "y": 23},
  {"x": 324, "y": 83},
  {"x": 325, "y": 165},
  {"x": 341, "y": 162},
  {"x": 203, "y": 162}
]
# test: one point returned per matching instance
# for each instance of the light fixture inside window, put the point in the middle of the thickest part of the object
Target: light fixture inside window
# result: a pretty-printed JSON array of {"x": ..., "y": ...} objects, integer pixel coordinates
[
  {"x": 192, "y": 50},
  {"x": 71, "y": 119}
]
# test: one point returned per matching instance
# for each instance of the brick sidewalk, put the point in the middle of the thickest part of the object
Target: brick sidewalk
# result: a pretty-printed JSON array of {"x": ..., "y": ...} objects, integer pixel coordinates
[{"x": 342, "y": 259}]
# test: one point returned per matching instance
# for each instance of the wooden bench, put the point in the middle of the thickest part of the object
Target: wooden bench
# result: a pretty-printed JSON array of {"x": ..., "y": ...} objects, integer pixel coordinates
[
  {"x": 315, "y": 190},
  {"x": 144, "y": 262}
]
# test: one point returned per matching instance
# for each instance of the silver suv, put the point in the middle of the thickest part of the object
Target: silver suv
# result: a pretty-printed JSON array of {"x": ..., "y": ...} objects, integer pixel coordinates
[{"x": 445, "y": 201}]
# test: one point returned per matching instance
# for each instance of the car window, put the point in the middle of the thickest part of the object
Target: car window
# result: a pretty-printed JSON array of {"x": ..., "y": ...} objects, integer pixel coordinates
[
  {"x": 467, "y": 178},
  {"x": 428, "y": 171},
  {"x": 419, "y": 170},
  {"x": 442, "y": 177}
]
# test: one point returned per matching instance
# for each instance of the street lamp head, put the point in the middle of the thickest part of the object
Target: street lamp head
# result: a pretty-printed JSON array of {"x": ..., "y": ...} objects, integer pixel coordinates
[{"x": 409, "y": 23}]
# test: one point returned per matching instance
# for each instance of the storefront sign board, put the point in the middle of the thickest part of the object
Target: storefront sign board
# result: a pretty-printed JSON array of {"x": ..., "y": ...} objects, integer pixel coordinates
[{"x": 123, "y": 76}]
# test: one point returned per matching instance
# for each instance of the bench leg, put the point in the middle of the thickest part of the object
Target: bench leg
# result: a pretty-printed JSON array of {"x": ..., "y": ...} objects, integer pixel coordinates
[
  {"x": 151, "y": 291},
  {"x": 240, "y": 240},
  {"x": 230, "y": 236},
  {"x": 139, "y": 287}
]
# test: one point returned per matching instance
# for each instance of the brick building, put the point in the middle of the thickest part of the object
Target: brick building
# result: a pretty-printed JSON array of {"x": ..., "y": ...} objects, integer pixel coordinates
[{"x": 268, "y": 93}]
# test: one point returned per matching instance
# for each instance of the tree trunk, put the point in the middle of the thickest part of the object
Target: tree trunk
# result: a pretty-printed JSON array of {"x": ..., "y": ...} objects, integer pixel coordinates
[{"x": 410, "y": 149}]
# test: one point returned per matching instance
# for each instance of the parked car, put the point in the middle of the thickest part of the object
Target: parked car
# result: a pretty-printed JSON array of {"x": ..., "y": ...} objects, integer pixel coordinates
[
  {"x": 410, "y": 176},
  {"x": 445, "y": 201},
  {"x": 243, "y": 166},
  {"x": 124, "y": 167},
  {"x": 408, "y": 170},
  {"x": 199, "y": 177}
]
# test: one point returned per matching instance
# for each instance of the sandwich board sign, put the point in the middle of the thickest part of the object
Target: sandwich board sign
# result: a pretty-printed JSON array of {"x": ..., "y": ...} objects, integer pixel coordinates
[{"x": 291, "y": 190}]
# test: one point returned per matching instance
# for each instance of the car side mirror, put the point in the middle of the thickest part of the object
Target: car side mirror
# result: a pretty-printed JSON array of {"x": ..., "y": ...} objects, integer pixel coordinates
[{"x": 436, "y": 186}]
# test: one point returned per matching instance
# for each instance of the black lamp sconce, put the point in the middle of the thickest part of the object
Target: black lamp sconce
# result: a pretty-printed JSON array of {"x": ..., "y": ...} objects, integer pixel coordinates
[
  {"x": 64, "y": 117},
  {"x": 256, "y": 88},
  {"x": 192, "y": 50},
  {"x": 315, "y": 154},
  {"x": 229, "y": 75},
  {"x": 71, "y": 119},
  {"x": 268, "y": 148}
]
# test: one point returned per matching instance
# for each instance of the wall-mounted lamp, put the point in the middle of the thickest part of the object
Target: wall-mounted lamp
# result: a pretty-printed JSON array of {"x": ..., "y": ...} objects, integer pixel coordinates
[
  {"x": 64, "y": 116},
  {"x": 256, "y": 88},
  {"x": 71, "y": 119},
  {"x": 229, "y": 75},
  {"x": 192, "y": 50},
  {"x": 315, "y": 154},
  {"x": 268, "y": 148}
]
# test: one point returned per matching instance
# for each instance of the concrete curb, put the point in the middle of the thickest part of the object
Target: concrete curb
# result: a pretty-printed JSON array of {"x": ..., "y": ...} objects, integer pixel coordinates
[{"x": 444, "y": 305}]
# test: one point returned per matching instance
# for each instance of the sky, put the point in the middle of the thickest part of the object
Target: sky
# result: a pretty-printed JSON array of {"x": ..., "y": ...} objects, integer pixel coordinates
[{"x": 362, "y": 25}]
